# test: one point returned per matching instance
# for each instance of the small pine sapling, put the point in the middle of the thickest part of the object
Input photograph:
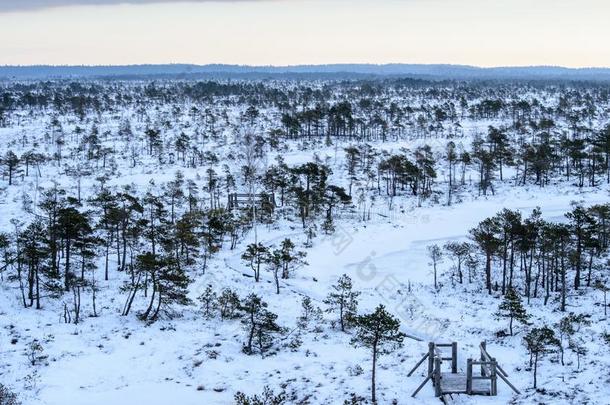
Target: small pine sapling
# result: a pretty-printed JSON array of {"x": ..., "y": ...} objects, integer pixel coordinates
[{"x": 511, "y": 307}]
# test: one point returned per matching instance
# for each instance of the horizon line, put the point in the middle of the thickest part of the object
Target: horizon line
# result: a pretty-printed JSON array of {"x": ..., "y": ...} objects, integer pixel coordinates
[{"x": 246, "y": 65}]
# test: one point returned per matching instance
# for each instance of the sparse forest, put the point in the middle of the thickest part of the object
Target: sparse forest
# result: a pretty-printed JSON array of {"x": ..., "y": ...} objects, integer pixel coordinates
[{"x": 294, "y": 231}]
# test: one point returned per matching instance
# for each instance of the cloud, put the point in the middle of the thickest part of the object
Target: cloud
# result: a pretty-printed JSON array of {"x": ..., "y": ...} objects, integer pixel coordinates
[{"x": 28, "y": 5}]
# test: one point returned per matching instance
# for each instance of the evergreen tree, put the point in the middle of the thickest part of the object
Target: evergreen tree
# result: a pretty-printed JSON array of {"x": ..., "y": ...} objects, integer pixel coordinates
[
  {"x": 309, "y": 313},
  {"x": 344, "y": 301},
  {"x": 53, "y": 201},
  {"x": 582, "y": 225},
  {"x": 11, "y": 162},
  {"x": 228, "y": 303},
  {"x": 172, "y": 286},
  {"x": 380, "y": 332},
  {"x": 275, "y": 264},
  {"x": 511, "y": 307},
  {"x": 73, "y": 228},
  {"x": 35, "y": 255},
  {"x": 187, "y": 237},
  {"x": 256, "y": 254},
  {"x": 208, "y": 300},
  {"x": 485, "y": 235},
  {"x": 436, "y": 256},
  {"x": 333, "y": 196},
  {"x": 169, "y": 284},
  {"x": 260, "y": 324},
  {"x": 539, "y": 341},
  {"x": 459, "y": 252},
  {"x": 568, "y": 327},
  {"x": 289, "y": 257}
]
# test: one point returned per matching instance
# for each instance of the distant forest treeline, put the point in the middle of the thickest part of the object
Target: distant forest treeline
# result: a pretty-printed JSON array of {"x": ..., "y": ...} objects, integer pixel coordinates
[{"x": 330, "y": 71}]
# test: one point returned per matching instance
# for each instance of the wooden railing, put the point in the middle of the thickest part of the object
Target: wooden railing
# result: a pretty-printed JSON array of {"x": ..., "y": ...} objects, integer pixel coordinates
[
  {"x": 489, "y": 370},
  {"x": 235, "y": 199},
  {"x": 435, "y": 360},
  {"x": 497, "y": 371}
]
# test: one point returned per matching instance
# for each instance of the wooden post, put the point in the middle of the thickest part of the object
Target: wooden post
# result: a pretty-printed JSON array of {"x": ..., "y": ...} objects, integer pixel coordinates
[
  {"x": 469, "y": 377},
  {"x": 509, "y": 383},
  {"x": 483, "y": 349},
  {"x": 418, "y": 364},
  {"x": 454, "y": 354},
  {"x": 494, "y": 377},
  {"x": 421, "y": 385},
  {"x": 437, "y": 377},
  {"x": 430, "y": 357}
]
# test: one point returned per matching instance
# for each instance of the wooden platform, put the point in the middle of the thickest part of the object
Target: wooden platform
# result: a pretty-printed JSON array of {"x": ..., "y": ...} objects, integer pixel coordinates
[
  {"x": 456, "y": 384},
  {"x": 480, "y": 378}
]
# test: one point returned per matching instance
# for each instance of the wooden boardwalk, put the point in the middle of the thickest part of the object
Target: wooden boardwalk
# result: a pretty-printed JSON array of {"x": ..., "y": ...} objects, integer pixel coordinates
[
  {"x": 485, "y": 382},
  {"x": 457, "y": 384}
]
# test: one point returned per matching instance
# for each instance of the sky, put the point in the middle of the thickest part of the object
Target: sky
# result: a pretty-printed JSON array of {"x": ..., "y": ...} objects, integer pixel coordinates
[{"x": 289, "y": 32}]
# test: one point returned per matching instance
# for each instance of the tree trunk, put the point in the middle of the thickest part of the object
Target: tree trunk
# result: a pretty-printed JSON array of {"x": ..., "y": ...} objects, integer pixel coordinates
[
  {"x": 535, "y": 370},
  {"x": 66, "y": 275},
  {"x": 373, "y": 396},
  {"x": 37, "y": 277},
  {"x": 488, "y": 272}
]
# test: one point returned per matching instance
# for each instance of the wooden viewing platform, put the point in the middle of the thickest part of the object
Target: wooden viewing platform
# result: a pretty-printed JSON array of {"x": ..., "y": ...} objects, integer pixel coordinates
[
  {"x": 235, "y": 200},
  {"x": 485, "y": 382}
]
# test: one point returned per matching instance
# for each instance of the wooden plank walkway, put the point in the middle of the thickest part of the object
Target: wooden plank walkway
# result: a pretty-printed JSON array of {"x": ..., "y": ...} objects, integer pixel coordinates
[
  {"x": 471, "y": 382},
  {"x": 455, "y": 383}
]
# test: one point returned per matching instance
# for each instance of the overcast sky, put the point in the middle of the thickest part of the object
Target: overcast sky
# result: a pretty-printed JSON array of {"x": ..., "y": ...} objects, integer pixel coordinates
[{"x": 286, "y": 32}]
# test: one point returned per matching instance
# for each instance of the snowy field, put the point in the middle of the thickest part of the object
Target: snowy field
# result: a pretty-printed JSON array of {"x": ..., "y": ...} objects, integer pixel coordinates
[{"x": 114, "y": 359}]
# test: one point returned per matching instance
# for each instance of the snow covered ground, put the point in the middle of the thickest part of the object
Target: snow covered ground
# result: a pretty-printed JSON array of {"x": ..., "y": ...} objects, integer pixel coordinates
[{"x": 192, "y": 360}]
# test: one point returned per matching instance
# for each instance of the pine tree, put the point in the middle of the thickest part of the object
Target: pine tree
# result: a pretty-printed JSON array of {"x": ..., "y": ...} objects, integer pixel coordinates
[
  {"x": 256, "y": 254},
  {"x": 512, "y": 308},
  {"x": 35, "y": 256},
  {"x": 260, "y": 324},
  {"x": 451, "y": 157},
  {"x": 172, "y": 286},
  {"x": 169, "y": 284},
  {"x": 5, "y": 253},
  {"x": 187, "y": 241},
  {"x": 289, "y": 257},
  {"x": 228, "y": 303},
  {"x": 436, "y": 256},
  {"x": 208, "y": 300},
  {"x": 485, "y": 235},
  {"x": 274, "y": 262},
  {"x": 344, "y": 301},
  {"x": 568, "y": 327},
  {"x": 579, "y": 347},
  {"x": 333, "y": 196},
  {"x": 581, "y": 224},
  {"x": 53, "y": 201},
  {"x": 380, "y": 332},
  {"x": 309, "y": 313},
  {"x": 459, "y": 252},
  {"x": 213, "y": 233},
  {"x": 73, "y": 228},
  {"x": 11, "y": 161},
  {"x": 539, "y": 341}
]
